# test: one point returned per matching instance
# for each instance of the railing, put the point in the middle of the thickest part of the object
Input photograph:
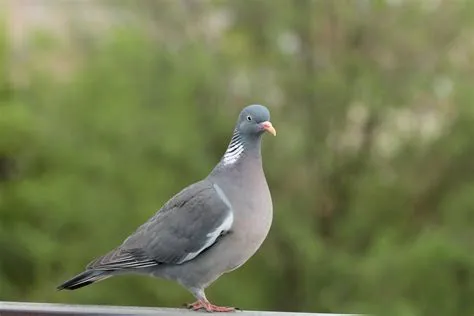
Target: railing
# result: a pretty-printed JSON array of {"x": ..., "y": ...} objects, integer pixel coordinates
[{"x": 43, "y": 309}]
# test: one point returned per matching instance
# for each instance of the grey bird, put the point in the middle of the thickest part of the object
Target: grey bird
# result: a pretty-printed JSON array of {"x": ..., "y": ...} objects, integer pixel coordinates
[{"x": 209, "y": 228}]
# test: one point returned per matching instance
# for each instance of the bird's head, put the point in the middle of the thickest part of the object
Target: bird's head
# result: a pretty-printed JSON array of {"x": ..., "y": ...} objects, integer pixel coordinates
[{"x": 254, "y": 120}]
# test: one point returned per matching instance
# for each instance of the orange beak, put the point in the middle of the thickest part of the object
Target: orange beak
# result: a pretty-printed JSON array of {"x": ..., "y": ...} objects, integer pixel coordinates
[{"x": 269, "y": 127}]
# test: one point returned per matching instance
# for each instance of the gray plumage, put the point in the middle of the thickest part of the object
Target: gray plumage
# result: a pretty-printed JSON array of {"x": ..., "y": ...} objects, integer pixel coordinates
[{"x": 209, "y": 228}]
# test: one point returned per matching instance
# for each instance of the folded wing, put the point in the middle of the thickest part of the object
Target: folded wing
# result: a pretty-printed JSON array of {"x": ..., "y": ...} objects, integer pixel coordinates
[{"x": 188, "y": 224}]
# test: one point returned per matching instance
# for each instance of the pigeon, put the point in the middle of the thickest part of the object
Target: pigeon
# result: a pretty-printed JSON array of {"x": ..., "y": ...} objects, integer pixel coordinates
[{"x": 211, "y": 227}]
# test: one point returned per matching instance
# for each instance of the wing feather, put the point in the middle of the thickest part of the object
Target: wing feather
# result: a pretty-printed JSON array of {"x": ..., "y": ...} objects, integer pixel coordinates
[{"x": 188, "y": 224}]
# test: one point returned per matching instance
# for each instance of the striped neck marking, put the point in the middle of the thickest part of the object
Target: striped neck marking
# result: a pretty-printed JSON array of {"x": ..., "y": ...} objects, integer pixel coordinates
[{"x": 235, "y": 149}]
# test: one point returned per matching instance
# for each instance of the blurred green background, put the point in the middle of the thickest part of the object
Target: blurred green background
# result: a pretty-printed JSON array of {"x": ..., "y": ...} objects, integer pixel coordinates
[{"x": 108, "y": 108}]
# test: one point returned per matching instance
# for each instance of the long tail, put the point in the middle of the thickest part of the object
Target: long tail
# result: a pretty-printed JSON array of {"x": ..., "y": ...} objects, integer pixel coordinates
[{"x": 83, "y": 279}]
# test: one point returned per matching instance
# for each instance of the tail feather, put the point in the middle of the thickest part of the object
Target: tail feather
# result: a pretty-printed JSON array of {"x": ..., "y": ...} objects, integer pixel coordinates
[{"x": 83, "y": 279}]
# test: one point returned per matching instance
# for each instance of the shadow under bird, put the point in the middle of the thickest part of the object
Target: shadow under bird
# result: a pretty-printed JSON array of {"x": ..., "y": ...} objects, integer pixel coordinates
[{"x": 210, "y": 228}]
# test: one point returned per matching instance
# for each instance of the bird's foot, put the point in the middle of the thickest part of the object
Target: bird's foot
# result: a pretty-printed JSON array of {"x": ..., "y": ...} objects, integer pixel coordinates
[{"x": 208, "y": 307}]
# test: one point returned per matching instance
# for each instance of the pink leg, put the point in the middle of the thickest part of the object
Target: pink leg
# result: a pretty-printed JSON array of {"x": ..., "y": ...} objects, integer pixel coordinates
[{"x": 208, "y": 307}]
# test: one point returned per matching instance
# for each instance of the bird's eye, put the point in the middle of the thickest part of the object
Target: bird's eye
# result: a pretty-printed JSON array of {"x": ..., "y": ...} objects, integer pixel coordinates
[{"x": 249, "y": 118}]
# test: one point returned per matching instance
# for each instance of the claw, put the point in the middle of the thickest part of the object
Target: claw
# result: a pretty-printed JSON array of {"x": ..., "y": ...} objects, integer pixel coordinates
[{"x": 208, "y": 307}]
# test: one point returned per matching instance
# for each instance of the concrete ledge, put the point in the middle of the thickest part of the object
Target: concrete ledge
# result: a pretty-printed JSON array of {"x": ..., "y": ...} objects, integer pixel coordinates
[{"x": 43, "y": 309}]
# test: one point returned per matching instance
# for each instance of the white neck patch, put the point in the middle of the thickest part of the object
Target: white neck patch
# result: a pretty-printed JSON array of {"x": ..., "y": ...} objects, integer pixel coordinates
[{"x": 234, "y": 151}]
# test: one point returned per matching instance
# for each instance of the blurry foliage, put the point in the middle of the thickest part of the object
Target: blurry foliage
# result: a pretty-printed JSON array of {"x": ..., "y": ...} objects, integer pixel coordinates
[{"x": 371, "y": 173}]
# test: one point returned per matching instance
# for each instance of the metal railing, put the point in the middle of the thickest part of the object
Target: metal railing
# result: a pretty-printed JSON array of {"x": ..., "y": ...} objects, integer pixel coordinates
[{"x": 43, "y": 309}]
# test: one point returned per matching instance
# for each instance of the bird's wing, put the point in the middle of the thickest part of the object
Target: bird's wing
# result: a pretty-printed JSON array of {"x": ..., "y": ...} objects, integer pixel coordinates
[{"x": 189, "y": 223}]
